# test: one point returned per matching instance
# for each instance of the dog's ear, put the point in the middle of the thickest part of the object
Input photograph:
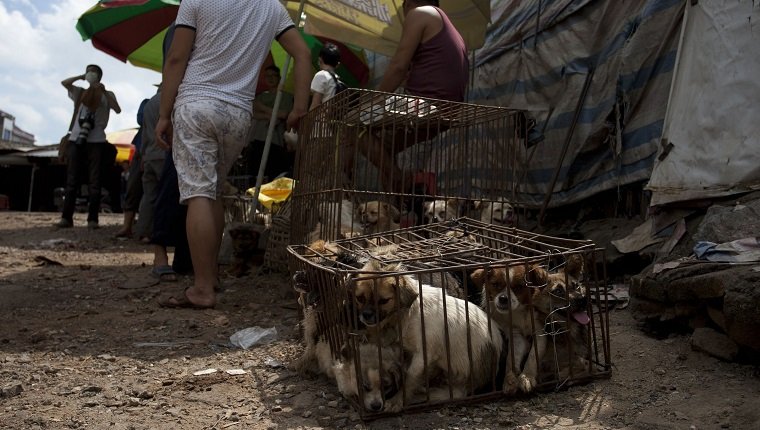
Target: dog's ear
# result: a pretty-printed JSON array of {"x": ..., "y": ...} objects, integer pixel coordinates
[
  {"x": 346, "y": 352},
  {"x": 479, "y": 277},
  {"x": 536, "y": 275},
  {"x": 574, "y": 266},
  {"x": 392, "y": 212},
  {"x": 407, "y": 292}
]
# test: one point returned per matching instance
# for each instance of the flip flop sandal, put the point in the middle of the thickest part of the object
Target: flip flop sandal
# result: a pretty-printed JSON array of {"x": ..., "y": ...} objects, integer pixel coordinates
[
  {"x": 164, "y": 273},
  {"x": 177, "y": 301}
]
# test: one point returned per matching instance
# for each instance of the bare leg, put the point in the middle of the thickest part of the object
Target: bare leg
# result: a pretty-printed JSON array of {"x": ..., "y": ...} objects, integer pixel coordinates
[
  {"x": 126, "y": 229},
  {"x": 160, "y": 257},
  {"x": 204, "y": 238}
]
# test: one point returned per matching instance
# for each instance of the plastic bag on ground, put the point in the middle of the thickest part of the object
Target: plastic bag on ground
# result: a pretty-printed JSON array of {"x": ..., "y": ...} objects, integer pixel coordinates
[{"x": 251, "y": 336}]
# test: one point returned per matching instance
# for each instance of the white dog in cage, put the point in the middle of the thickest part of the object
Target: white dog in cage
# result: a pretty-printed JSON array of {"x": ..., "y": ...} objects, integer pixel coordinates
[
  {"x": 429, "y": 348},
  {"x": 497, "y": 212},
  {"x": 440, "y": 210}
]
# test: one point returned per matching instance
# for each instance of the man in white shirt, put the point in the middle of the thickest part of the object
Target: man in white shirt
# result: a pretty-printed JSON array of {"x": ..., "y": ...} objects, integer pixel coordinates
[
  {"x": 209, "y": 83},
  {"x": 87, "y": 142}
]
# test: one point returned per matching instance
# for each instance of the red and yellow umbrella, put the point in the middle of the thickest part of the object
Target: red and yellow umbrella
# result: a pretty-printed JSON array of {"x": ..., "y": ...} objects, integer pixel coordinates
[{"x": 133, "y": 30}]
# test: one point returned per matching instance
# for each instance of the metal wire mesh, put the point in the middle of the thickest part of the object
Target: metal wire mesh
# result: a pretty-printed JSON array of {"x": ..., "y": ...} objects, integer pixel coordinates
[
  {"x": 446, "y": 255},
  {"x": 366, "y": 145}
]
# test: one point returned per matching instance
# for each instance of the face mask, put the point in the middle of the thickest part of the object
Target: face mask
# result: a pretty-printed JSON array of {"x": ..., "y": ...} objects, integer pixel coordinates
[{"x": 91, "y": 77}]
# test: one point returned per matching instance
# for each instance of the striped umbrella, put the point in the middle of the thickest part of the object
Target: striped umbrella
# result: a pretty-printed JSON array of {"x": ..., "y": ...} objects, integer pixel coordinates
[{"x": 133, "y": 30}]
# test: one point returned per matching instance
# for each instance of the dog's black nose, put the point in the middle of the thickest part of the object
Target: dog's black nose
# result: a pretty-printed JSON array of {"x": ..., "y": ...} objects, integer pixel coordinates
[
  {"x": 368, "y": 315},
  {"x": 376, "y": 406},
  {"x": 502, "y": 300}
]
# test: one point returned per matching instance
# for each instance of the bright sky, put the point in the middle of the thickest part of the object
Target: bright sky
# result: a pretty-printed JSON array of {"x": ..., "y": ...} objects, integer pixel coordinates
[{"x": 39, "y": 47}]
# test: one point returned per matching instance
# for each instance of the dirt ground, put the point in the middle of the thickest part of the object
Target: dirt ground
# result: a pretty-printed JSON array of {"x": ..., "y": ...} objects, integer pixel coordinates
[{"x": 77, "y": 351}]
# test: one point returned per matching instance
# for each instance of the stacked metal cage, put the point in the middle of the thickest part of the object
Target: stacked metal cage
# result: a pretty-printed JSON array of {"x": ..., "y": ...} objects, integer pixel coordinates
[
  {"x": 466, "y": 157},
  {"x": 434, "y": 149}
]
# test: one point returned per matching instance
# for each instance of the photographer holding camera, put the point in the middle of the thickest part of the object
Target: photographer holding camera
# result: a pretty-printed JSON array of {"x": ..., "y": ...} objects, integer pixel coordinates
[{"x": 87, "y": 142}]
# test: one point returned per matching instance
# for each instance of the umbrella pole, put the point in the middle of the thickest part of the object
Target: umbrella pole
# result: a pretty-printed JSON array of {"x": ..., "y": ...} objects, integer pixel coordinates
[
  {"x": 31, "y": 188},
  {"x": 272, "y": 123}
]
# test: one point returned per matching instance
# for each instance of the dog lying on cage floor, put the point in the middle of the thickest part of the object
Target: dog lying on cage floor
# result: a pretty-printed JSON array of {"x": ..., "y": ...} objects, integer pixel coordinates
[
  {"x": 523, "y": 301},
  {"x": 403, "y": 303},
  {"x": 380, "y": 375}
]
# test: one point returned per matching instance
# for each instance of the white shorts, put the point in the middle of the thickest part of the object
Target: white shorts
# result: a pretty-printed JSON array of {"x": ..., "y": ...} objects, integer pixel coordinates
[{"x": 209, "y": 136}]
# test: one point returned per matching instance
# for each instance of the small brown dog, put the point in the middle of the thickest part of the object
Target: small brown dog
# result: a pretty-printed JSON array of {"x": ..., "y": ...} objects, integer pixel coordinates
[
  {"x": 380, "y": 374},
  {"x": 246, "y": 248},
  {"x": 524, "y": 300},
  {"x": 508, "y": 294},
  {"x": 377, "y": 217}
]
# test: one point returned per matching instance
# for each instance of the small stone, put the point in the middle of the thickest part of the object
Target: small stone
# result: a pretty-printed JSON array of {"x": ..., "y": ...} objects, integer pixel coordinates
[
  {"x": 659, "y": 371},
  {"x": 204, "y": 372},
  {"x": 91, "y": 389},
  {"x": 235, "y": 372},
  {"x": 306, "y": 414},
  {"x": 107, "y": 357},
  {"x": 325, "y": 421},
  {"x": 478, "y": 419},
  {"x": 332, "y": 403},
  {"x": 11, "y": 390},
  {"x": 276, "y": 408}
]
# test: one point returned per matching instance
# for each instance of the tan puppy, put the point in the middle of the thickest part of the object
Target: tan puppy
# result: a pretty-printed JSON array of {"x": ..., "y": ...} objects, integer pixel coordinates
[
  {"x": 380, "y": 304},
  {"x": 377, "y": 217},
  {"x": 439, "y": 211},
  {"x": 380, "y": 374}
]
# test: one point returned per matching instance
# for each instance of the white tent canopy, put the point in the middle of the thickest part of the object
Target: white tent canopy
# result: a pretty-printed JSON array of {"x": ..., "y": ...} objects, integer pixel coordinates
[{"x": 712, "y": 126}]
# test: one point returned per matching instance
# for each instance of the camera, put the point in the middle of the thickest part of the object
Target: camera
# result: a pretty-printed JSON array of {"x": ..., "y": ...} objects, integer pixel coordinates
[{"x": 86, "y": 123}]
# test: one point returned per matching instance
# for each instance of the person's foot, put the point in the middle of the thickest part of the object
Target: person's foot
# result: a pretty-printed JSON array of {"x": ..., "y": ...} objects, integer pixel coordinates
[
  {"x": 92, "y": 225},
  {"x": 187, "y": 299},
  {"x": 64, "y": 223},
  {"x": 123, "y": 233}
]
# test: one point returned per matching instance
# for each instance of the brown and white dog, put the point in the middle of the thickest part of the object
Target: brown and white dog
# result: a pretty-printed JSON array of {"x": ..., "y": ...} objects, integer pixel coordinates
[
  {"x": 376, "y": 217},
  {"x": 522, "y": 299},
  {"x": 395, "y": 306}
]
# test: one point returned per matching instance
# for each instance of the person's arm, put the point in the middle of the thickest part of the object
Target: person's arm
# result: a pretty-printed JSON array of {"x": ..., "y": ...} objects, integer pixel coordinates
[
  {"x": 411, "y": 36},
  {"x": 294, "y": 45},
  {"x": 316, "y": 99},
  {"x": 112, "y": 102},
  {"x": 68, "y": 83},
  {"x": 174, "y": 72}
]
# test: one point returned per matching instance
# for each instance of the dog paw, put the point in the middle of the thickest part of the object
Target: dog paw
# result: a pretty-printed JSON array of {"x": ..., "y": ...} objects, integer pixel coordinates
[
  {"x": 395, "y": 404},
  {"x": 526, "y": 383},
  {"x": 510, "y": 384}
]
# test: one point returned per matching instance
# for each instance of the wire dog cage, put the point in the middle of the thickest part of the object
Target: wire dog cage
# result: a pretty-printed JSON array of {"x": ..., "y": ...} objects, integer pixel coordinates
[
  {"x": 412, "y": 319},
  {"x": 366, "y": 146}
]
